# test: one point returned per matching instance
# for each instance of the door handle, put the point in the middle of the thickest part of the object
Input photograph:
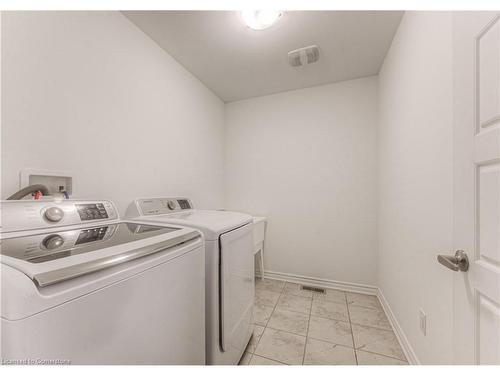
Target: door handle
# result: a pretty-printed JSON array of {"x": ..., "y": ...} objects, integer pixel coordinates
[{"x": 457, "y": 262}]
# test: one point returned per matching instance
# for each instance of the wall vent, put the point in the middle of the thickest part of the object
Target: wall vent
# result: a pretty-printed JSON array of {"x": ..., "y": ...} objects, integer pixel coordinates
[{"x": 303, "y": 56}]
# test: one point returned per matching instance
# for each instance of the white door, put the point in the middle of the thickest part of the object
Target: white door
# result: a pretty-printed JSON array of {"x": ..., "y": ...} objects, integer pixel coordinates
[{"x": 476, "y": 70}]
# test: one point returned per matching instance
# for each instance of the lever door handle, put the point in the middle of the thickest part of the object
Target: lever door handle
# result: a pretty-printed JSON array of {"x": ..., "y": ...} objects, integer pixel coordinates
[{"x": 457, "y": 262}]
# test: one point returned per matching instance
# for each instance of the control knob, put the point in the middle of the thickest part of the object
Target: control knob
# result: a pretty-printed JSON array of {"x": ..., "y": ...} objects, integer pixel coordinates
[
  {"x": 54, "y": 214},
  {"x": 52, "y": 242},
  {"x": 171, "y": 205}
]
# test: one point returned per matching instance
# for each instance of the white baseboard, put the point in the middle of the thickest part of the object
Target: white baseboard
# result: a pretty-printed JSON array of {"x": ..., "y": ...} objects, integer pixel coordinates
[
  {"x": 398, "y": 331},
  {"x": 356, "y": 288},
  {"x": 314, "y": 281}
]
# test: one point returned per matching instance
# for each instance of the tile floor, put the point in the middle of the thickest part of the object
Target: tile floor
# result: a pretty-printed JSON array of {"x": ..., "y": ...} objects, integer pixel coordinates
[{"x": 298, "y": 327}]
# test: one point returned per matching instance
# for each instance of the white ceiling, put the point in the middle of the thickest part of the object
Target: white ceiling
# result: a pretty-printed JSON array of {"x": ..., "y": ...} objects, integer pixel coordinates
[{"x": 238, "y": 63}]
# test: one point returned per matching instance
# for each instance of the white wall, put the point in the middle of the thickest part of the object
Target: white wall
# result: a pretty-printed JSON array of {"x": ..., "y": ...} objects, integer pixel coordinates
[
  {"x": 415, "y": 190},
  {"x": 306, "y": 159},
  {"x": 89, "y": 93}
]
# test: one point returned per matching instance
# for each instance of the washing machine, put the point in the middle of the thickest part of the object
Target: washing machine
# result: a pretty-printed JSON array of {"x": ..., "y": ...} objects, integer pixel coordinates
[
  {"x": 229, "y": 270},
  {"x": 81, "y": 286}
]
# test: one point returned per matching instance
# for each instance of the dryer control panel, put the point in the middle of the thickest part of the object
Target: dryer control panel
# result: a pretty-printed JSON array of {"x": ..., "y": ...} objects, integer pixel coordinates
[{"x": 161, "y": 206}]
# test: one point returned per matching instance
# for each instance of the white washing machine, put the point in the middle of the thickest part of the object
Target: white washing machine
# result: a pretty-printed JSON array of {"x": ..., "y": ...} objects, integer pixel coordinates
[
  {"x": 229, "y": 270},
  {"x": 81, "y": 286}
]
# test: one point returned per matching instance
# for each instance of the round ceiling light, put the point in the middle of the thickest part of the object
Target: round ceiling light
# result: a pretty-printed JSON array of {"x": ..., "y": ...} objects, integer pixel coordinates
[{"x": 260, "y": 19}]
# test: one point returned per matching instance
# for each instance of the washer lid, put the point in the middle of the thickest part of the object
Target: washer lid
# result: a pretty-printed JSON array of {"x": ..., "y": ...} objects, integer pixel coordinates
[
  {"x": 44, "y": 247},
  {"x": 212, "y": 223},
  {"x": 23, "y": 296},
  {"x": 51, "y": 257}
]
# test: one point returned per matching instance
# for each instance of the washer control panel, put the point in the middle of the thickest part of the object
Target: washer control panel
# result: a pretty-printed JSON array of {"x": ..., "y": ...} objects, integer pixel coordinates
[
  {"x": 92, "y": 211},
  {"x": 28, "y": 214},
  {"x": 161, "y": 206}
]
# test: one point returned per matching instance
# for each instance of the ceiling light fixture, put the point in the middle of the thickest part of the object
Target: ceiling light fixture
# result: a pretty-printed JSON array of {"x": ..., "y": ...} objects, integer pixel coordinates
[{"x": 260, "y": 19}]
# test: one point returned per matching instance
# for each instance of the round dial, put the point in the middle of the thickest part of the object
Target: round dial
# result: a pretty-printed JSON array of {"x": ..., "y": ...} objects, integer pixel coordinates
[
  {"x": 171, "y": 205},
  {"x": 53, "y": 242},
  {"x": 54, "y": 214}
]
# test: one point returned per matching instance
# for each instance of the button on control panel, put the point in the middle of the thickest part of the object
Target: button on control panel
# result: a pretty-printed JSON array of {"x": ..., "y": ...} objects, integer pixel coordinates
[
  {"x": 52, "y": 242},
  {"x": 54, "y": 214},
  {"x": 92, "y": 211},
  {"x": 171, "y": 204}
]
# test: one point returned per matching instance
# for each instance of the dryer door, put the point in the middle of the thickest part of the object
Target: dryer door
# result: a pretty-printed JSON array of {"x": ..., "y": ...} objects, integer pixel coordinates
[{"x": 237, "y": 288}]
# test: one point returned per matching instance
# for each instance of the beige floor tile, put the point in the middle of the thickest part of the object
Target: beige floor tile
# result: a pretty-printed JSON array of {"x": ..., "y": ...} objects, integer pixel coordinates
[
  {"x": 294, "y": 289},
  {"x": 332, "y": 295},
  {"x": 334, "y": 331},
  {"x": 269, "y": 285},
  {"x": 245, "y": 359},
  {"x": 266, "y": 297},
  {"x": 377, "y": 340},
  {"x": 329, "y": 309},
  {"x": 289, "y": 321},
  {"x": 258, "y": 360},
  {"x": 281, "y": 346},
  {"x": 365, "y": 358},
  {"x": 364, "y": 300},
  {"x": 261, "y": 313},
  {"x": 294, "y": 303},
  {"x": 324, "y": 353},
  {"x": 369, "y": 317},
  {"x": 254, "y": 340}
]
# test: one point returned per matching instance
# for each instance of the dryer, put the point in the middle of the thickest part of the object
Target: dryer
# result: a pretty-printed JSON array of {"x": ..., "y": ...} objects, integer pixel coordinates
[
  {"x": 81, "y": 286},
  {"x": 229, "y": 270}
]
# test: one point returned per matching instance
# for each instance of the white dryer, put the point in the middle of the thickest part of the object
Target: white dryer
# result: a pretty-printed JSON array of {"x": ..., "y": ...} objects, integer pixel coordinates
[
  {"x": 229, "y": 270},
  {"x": 81, "y": 286}
]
